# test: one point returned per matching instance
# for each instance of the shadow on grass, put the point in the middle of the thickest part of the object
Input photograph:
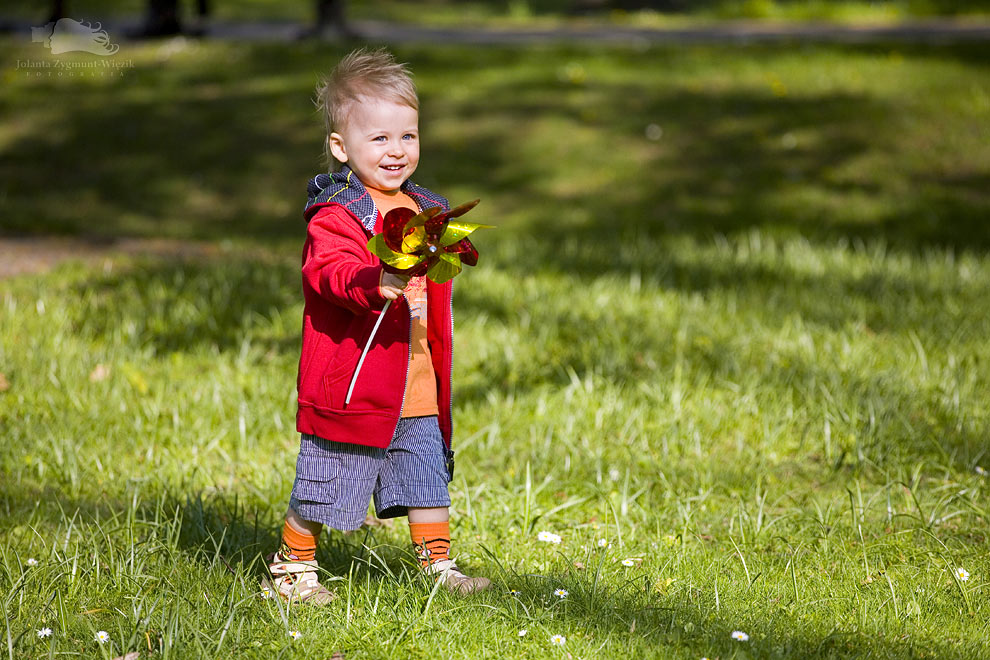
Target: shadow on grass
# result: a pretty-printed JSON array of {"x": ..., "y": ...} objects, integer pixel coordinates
[
  {"x": 202, "y": 152},
  {"x": 217, "y": 161},
  {"x": 221, "y": 302},
  {"x": 244, "y": 534},
  {"x": 232, "y": 528},
  {"x": 228, "y": 529},
  {"x": 233, "y": 301},
  {"x": 216, "y": 148},
  {"x": 729, "y": 161},
  {"x": 218, "y": 531},
  {"x": 692, "y": 620}
]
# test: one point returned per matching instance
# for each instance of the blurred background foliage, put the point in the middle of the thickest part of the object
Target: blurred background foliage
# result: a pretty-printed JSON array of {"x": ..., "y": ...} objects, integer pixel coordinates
[{"x": 466, "y": 12}]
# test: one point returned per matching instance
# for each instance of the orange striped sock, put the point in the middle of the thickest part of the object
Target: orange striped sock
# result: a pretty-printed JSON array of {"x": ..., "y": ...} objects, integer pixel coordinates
[
  {"x": 431, "y": 540},
  {"x": 298, "y": 545}
]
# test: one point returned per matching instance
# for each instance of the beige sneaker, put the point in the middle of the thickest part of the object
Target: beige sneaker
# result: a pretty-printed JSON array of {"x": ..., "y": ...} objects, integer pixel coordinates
[
  {"x": 295, "y": 581},
  {"x": 446, "y": 572}
]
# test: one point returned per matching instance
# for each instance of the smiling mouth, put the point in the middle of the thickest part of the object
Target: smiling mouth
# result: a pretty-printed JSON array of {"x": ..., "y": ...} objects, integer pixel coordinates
[{"x": 392, "y": 168}]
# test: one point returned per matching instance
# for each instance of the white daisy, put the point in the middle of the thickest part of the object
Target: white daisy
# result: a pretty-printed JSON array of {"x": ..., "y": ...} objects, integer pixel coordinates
[
  {"x": 32, "y": 562},
  {"x": 549, "y": 537},
  {"x": 561, "y": 593},
  {"x": 602, "y": 543},
  {"x": 558, "y": 640},
  {"x": 102, "y": 637},
  {"x": 45, "y": 632},
  {"x": 295, "y": 634},
  {"x": 980, "y": 470},
  {"x": 522, "y": 633},
  {"x": 628, "y": 563},
  {"x": 266, "y": 593},
  {"x": 515, "y": 592},
  {"x": 962, "y": 574},
  {"x": 740, "y": 636}
]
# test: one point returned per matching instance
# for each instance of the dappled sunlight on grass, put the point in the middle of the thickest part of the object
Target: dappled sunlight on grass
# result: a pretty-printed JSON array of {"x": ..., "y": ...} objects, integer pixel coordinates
[{"x": 731, "y": 326}]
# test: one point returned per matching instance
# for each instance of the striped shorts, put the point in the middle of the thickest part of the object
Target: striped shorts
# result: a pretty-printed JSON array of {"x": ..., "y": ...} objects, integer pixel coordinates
[{"x": 335, "y": 481}]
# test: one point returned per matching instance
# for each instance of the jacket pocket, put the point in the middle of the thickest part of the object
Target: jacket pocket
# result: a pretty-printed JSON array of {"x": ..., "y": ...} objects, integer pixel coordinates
[
  {"x": 335, "y": 386},
  {"x": 340, "y": 368}
]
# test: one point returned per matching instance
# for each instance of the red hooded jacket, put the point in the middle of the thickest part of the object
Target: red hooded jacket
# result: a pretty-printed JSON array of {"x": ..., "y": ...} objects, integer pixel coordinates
[{"x": 342, "y": 303}]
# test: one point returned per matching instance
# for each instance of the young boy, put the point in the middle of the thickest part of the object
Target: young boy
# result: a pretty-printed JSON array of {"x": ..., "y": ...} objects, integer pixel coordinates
[{"x": 392, "y": 440}]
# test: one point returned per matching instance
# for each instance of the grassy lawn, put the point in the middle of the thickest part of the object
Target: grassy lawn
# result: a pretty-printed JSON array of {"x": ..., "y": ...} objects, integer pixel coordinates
[
  {"x": 732, "y": 329},
  {"x": 543, "y": 13}
]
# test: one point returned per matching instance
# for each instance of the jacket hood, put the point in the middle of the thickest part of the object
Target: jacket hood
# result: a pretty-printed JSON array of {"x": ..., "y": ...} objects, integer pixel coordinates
[{"x": 346, "y": 189}]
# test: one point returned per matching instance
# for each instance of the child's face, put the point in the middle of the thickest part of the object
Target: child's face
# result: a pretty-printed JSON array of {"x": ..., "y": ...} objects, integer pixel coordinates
[{"x": 380, "y": 142}]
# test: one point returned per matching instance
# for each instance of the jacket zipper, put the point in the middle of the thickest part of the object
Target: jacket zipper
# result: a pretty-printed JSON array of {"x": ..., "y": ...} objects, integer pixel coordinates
[
  {"x": 450, "y": 356},
  {"x": 450, "y": 369},
  {"x": 405, "y": 380}
]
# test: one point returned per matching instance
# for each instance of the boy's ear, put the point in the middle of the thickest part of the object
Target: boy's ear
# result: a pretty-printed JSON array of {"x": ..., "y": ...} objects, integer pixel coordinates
[{"x": 336, "y": 143}]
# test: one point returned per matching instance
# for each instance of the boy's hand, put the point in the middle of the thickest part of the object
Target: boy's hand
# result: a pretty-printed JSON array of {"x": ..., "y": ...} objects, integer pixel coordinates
[{"x": 392, "y": 285}]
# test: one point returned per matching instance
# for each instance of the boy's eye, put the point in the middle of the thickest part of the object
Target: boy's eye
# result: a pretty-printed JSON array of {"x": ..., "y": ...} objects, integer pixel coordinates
[
  {"x": 380, "y": 138},
  {"x": 408, "y": 136}
]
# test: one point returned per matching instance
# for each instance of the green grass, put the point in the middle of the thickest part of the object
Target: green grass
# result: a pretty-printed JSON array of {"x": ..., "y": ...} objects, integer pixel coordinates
[
  {"x": 733, "y": 322},
  {"x": 546, "y": 13}
]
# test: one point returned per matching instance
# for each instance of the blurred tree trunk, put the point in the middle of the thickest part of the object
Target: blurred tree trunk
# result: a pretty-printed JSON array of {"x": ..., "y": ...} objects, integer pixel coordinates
[
  {"x": 58, "y": 11},
  {"x": 163, "y": 17}
]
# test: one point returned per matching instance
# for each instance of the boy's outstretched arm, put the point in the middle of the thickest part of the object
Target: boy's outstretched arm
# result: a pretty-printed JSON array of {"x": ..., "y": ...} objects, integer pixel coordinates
[{"x": 338, "y": 267}]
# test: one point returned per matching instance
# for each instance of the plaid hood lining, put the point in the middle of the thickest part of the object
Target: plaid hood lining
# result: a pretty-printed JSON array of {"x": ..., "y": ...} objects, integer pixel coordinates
[{"x": 346, "y": 189}]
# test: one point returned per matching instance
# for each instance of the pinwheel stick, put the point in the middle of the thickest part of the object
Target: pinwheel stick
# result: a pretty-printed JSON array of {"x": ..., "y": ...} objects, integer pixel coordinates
[{"x": 364, "y": 353}]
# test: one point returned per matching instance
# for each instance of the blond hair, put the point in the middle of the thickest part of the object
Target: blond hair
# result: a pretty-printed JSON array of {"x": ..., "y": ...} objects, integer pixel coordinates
[{"x": 361, "y": 73}]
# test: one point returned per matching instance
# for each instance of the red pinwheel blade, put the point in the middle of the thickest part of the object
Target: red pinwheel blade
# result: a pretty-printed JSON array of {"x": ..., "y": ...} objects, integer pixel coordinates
[
  {"x": 438, "y": 224},
  {"x": 458, "y": 211},
  {"x": 420, "y": 219},
  {"x": 435, "y": 226},
  {"x": 465, "y": 250},
  {"x": 394, "y": 227}
]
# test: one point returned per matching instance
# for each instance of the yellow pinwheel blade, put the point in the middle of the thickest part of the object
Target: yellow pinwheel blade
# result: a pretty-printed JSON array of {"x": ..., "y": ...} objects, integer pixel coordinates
[
  {"x": 397, "y": 260},
  {"x": 445, "y": 268},
  {"x": 455, "y": 231},
  {"x": 415, "y": 241}
]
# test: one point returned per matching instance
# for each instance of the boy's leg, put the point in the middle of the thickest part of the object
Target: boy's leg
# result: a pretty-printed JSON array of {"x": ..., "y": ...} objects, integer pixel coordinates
[
  {"x": 429, "y": 529},
  {"x": 299, "y": 536},
  {"x": 438, "y": 514},
  {"x": 293, "y": 568},
  {"x": 333, "y": 486},
  {"x": 413, "y": 482}
]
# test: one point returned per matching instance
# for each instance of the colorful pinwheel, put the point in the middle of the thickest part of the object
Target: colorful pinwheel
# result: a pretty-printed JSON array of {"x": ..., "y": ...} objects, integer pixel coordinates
[
  {"x": 416, "y": 244},
  {"x": 427, "y": 243}
]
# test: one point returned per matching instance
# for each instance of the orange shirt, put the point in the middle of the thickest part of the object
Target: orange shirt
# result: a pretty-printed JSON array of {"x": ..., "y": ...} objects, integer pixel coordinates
[{"x": 421, "y": 385}]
